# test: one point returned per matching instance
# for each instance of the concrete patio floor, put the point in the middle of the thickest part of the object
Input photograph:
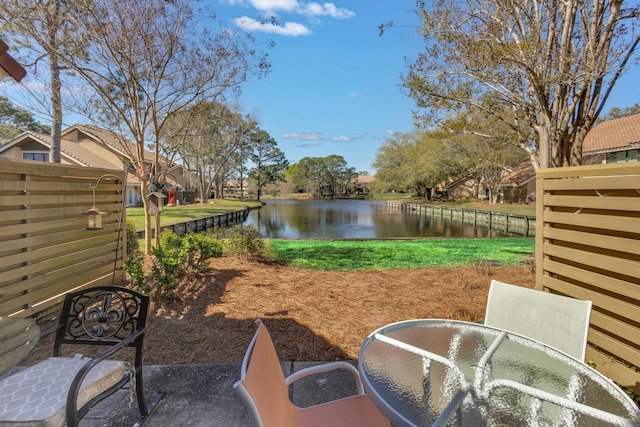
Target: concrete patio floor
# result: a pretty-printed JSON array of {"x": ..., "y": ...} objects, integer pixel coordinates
[{"x": 203, "y": 395}]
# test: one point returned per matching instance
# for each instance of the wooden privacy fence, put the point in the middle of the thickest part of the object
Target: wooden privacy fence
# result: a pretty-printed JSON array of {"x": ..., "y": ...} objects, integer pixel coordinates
[
  {"x": 45, "y": 246},
  {"x": 588, "y": 247}
]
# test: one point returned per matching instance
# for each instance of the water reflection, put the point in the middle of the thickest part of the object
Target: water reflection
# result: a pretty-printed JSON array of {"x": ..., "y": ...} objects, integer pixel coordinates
[{"x": 354, "y": 219}]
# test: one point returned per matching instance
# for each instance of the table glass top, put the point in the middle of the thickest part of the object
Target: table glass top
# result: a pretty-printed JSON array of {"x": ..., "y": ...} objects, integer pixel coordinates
[{"x": 477, "y": 375}]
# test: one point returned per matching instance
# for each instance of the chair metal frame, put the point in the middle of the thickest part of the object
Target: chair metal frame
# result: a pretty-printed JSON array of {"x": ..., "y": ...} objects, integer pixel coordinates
[
  {"x": 110, "y": 316},
  {"x": 106, "y": 316}
]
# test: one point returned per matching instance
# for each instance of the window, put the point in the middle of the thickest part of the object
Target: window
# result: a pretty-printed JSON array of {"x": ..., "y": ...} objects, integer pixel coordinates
[
  {"x": 37, "y": 156},
  {"x": 623, "y": 156}
]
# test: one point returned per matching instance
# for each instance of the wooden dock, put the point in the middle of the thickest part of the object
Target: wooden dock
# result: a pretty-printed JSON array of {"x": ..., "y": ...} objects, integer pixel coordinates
[{"x": 509, "y": 223}]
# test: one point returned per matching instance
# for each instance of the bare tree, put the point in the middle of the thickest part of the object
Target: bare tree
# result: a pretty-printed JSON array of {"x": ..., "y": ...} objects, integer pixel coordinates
[
  {"x": 40, "y": 28},
  {"x": 145, "y": 62},
  {"x": 552, "y": 64}
]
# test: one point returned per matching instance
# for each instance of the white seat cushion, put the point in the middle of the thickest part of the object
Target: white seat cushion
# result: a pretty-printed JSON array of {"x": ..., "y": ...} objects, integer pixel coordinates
[{"x": 36, "y": 396}]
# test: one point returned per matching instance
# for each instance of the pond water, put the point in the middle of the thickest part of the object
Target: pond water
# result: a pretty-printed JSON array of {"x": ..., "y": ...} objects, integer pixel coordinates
[{"x": 354, "y": 219}]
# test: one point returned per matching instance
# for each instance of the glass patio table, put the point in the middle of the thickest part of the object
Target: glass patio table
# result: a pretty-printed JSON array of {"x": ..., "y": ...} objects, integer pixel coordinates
[{"x": 453, "y": 373}]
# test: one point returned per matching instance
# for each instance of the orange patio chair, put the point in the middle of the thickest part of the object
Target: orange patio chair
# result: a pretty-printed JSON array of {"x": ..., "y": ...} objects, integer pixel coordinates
[{"x": 264, "y": 391}]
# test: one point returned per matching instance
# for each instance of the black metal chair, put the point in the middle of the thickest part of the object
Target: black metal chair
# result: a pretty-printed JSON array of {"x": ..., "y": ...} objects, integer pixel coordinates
[{"x": 61, "y": 390}]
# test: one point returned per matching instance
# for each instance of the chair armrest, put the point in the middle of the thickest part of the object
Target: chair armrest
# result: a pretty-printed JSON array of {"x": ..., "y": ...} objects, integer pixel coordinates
[
  {"x": 72, "y": 397},
  {"x": 326, "y": 367}
]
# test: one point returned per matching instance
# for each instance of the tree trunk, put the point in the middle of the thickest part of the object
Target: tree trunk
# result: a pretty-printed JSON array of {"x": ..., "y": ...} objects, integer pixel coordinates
[
  {"x": 147, "y": 217},
  {"x": 53, "y": 24}
]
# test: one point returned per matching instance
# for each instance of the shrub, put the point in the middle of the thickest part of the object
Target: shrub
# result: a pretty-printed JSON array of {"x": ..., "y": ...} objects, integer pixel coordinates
[
  {"x": 178, "y": 257},
  {"x": 133, "y": 244},
  {"x": 133, "y": 265},
  {"x": 245, "y": 240},
  {"x": 200, "y": 248},
  {"x": 168, "y": 258}
]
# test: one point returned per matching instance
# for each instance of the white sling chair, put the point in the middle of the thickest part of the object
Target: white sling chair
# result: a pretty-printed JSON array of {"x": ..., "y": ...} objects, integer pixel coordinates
[{"x": 559, "y": 321}]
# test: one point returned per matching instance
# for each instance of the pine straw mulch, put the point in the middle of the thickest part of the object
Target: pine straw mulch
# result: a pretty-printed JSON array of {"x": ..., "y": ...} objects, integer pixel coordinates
[{"x": 311, "y": 315}]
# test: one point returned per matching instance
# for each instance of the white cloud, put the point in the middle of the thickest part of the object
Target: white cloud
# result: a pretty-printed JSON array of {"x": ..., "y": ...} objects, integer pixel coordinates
[
  {"x": 342, "y": 139},
  {"x": 273, "y": 8},
  {"x": 353, "y": 95},
  {"x": 288, "y": 29},
  {"x": 314, "y": 9},
  {"x": 234, "y": 2},
  {"x": 307, "y": 136}
]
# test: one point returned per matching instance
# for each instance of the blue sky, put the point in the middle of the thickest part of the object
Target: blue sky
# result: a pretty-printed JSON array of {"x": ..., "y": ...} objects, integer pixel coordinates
[
  {"x": 333, "y": 87},
  {"x": 334, "y": 84}
]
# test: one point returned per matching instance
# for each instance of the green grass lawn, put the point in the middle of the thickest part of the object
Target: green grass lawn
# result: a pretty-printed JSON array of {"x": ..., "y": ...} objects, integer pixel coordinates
[
  {"x": 175, "y": 214},
  {"x": 359, "y": 255}
]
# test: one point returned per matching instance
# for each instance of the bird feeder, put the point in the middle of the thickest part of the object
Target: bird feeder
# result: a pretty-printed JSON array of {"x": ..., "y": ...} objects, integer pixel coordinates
[
  {"x": 94, "y": 219},
  {"x": 155, "y": 202}
]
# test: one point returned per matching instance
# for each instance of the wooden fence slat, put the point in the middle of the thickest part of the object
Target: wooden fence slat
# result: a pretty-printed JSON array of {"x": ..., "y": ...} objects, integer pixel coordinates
[
  {"x": 594, "y": 202},
  {"x": 48, "y": 252},
  {"x": 590, "y": 171},
  {"x": 604, "y": 222},
  {"x": 604, "y": 262},
  {"x": 622, "y": 308},
  {"x": 39, "y": 300},
  {"x": 57, "y": 263},
  {"x": 52, "y": 239},
  {"x": 613, "y": 346},
  {"x": 621, "y": 329},
  {"x": 64, "y": 275},
  {"x": 613, "y": 243},
  {"x": 594, "y": 183},
  {"x": 74, "y": 222},
  {"x": 607, "y": 283}
]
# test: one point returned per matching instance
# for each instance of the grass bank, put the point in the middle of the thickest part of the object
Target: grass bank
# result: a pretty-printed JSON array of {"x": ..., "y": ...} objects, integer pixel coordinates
[
  {"x": 175, "y": 214},
  {"x": 362, "y": 255}
]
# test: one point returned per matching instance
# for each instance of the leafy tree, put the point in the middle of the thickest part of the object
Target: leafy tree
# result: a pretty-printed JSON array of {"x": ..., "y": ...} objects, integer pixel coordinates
[
  {"x": 415, "y": 161},
  {"x": 269, "y": 160},
  {"x": 207, "y": 137},
  {"x": 617, "y": 113},
  {"x": 325, "y": 177},
  {"x": 147, "y": 61},
  {"x": 551, "y": 64},
  {"x": 15, "y": 120},
  {"x": 481, "y": 148}
]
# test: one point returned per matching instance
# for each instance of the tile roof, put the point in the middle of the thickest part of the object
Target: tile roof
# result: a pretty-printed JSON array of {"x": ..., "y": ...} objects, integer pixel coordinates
[
  {"x": 112, "y": 139},
  {"x": 73, "y": 152},
  {"x": 522, "y": 173},
  {"x": 613, "y": 135}
]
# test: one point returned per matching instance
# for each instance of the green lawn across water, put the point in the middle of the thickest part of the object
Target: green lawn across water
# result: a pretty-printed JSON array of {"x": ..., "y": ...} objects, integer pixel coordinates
[
  {"x": 359, "y": 255},
  {"x": 175, "y": 214}
]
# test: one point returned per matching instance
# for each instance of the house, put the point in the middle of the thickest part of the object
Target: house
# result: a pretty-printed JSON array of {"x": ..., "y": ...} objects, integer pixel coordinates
[
  {"x": 613, "y": 141},
  {"x": 364, "y": 183},
  {"x": 519, "y": 184},
  {"x": 466, "y": 187},
  {"x": 89, "y": 146}
]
